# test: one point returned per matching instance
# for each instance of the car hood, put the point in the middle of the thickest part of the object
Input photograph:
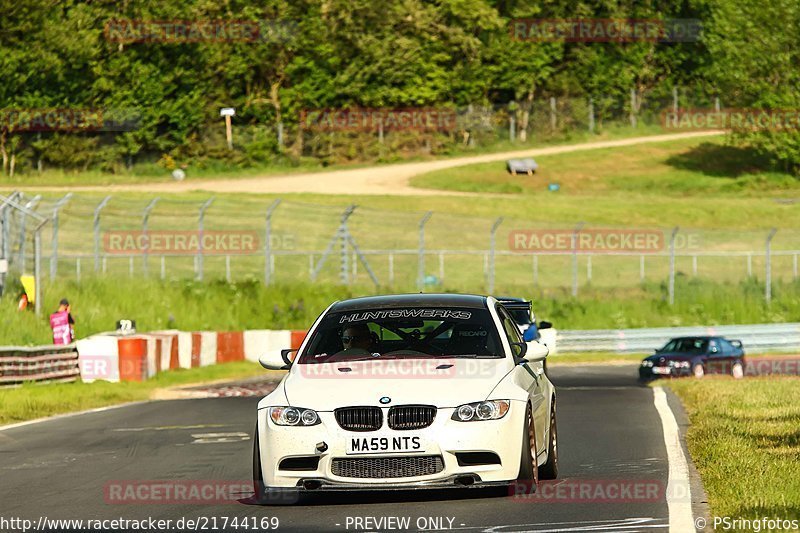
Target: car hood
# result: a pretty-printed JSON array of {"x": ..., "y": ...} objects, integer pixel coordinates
[
  {"x": 671, "y": 357},
  {"x": 440, "y": 382}
]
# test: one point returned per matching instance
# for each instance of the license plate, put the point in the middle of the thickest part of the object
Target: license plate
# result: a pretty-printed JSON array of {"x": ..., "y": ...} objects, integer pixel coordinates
[
  {"x": 385, "y": 444},
  {"x": 661, "y": 370}
]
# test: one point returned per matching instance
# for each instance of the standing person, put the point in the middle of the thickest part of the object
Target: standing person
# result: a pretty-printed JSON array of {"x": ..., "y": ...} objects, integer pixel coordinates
[{"x": 61, "y": 322}]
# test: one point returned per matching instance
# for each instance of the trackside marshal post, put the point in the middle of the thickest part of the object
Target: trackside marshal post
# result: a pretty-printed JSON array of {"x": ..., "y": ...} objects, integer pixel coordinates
[{"x": 228, "y": 112}]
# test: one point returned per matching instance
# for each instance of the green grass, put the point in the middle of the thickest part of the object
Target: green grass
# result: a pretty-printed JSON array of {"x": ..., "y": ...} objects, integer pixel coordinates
[
  {"x": 36, "y": 400},
  {"x": 154, "y": 173},
  {"x": 744, "y": 439},
  {"x": 689, "y": 166},
  {"x": 582, "y": 358},
  {"x": 219, "y": 306}
]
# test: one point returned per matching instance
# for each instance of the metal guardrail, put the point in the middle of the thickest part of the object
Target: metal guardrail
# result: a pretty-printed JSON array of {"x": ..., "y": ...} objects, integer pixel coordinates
[
  {"x": 756, "y": 338},
  {"x": 19, "y": 364}
]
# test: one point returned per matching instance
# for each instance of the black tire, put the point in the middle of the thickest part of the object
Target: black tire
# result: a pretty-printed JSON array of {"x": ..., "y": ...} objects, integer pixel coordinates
[
  {"x": 549, "y": 470},
  {"x": 528, "y": 468}
]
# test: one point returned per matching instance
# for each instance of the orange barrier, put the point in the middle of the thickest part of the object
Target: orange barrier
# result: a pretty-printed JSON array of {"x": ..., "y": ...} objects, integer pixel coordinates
[
  {"x": 230, "y": 346},
  {"x": 174, "y": 363},
  {"x": 132, "y": 358},
  {"x": 298, "y": 336},
  {"x": 196, "y": 342}
]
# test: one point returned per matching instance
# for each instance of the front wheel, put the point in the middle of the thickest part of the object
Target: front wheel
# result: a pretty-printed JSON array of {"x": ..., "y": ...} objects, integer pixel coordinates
[
  {"x": 549, "y": 470},
  {"x": 528, "y": 469}
]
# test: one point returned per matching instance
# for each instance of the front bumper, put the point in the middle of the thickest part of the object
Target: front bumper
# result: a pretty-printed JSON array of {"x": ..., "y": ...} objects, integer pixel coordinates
[
  {"x": 652, "y": 372},
  {"x": 444, "y": 437}
]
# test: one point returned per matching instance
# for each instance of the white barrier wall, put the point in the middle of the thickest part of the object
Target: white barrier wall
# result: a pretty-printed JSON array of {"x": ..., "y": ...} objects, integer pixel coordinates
[
  {"x": 98, "y": 358},
  {"x": 208, "y": 348}
]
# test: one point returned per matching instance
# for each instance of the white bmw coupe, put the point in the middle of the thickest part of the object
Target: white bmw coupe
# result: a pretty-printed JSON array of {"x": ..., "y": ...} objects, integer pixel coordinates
[{"x": 407, "y": 392}]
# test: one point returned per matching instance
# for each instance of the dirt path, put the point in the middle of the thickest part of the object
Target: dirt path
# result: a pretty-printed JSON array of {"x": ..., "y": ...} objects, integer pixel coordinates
[{"x": 380, "y": 180}]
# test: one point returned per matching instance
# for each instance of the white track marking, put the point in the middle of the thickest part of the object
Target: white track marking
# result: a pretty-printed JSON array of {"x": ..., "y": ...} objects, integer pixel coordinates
[
  {"x": 68, "y": 415},
  {"x": 679, "y": 500}
]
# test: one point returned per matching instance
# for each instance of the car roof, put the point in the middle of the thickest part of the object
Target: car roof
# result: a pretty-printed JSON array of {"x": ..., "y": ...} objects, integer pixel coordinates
[{"x": 472, "y": 301}]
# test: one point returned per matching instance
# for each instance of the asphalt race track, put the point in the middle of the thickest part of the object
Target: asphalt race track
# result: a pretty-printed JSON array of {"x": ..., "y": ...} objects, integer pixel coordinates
[{"x": 610, "y": 436}]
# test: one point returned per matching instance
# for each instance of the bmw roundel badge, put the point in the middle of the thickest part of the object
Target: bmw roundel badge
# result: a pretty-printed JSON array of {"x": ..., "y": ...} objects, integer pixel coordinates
[{"x": 385, "y": 400}]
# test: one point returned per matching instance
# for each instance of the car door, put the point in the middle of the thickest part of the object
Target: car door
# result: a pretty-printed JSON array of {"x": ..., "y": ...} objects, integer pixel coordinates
[
  {"x": 717, "y": 357},
  {"x": 531, "y": 375}
]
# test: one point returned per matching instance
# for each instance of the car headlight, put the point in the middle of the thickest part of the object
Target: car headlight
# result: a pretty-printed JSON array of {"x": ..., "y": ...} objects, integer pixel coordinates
[
  {"x": 293, "y": 416},
  {"x": 489, "y": 410},
  {"x": 680, "y": 364},
  {"x": 647, "y": 363}
]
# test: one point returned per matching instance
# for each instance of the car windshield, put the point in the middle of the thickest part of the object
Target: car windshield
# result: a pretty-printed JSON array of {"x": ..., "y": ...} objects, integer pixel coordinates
[
  {"x": 686, "y": 346},
  {"x": 394, "y": 333}
]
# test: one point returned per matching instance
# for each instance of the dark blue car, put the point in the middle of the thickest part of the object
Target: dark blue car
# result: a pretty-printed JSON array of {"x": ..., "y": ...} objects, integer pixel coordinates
[{"x": 695, "y": 356}]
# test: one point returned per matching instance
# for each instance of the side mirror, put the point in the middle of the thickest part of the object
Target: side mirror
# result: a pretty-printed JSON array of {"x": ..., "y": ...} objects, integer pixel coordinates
[
  {"x": 519, "y": 349},
  {"x": 545, "y": 325},
  {"x": 536, "y": 352},
  {"x": 276, "y": 360}
]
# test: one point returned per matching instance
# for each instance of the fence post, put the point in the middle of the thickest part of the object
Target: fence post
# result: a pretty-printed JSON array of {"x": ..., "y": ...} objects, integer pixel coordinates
[
  {"x": 492, "y": 241},
  {"x": 37, "y": 269},
  {"x": 280, "y": 135},
  {"x": 54, "y": 245},
  {"x": 768, "y": 288},
  {"x": 145, "y": 219},
  {"x": 30, "y": 206},
  {"x": 675, "y": 101},
  {"x": 641, "y": 268},
  {"x": 589, "y": 268},
  {"x": 633, "y": 107},
  {"x": 591, "y": 115},
  {"x": 553, "y": 117},
  {"x": 575, "y": 258},
  {"x": 344, "y": 272},
  {"x": 96, "y": 228},
  {"x": 421, "y": 251},
  {"x": 716, "y": 104},
  {"x": 268, "y": 242},
  {"x": 200, "y": 218},
  {"x": 672, "y": 266}
]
